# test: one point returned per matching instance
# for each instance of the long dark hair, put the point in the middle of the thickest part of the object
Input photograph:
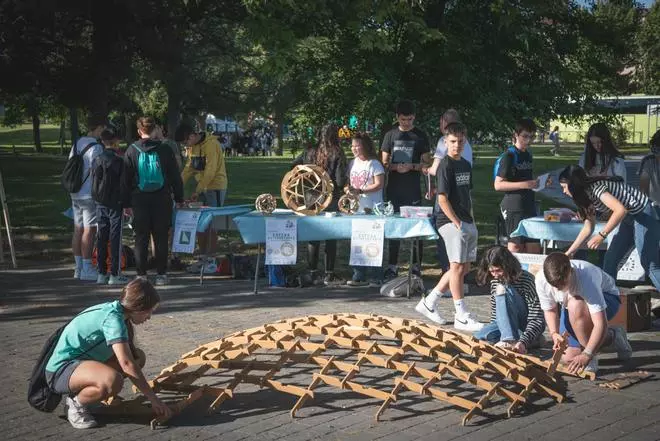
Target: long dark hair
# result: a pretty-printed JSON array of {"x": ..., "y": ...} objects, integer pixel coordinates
[
  {"x": 578, "y": 181},
  {"x": 329, "y": 147},
  {"x": 608, "y": 151},
  {"x": 367, "y": 145},
  {"x": 138, "y": 296},
  {"x": 500, "y": 257}
]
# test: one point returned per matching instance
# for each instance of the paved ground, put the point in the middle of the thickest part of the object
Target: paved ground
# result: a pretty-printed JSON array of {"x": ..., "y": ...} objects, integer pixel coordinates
[{"x": 35, "y": 302}]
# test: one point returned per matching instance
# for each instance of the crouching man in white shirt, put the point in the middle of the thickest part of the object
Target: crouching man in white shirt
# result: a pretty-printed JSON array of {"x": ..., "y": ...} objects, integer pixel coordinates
[{"x": 580, "y": 298}]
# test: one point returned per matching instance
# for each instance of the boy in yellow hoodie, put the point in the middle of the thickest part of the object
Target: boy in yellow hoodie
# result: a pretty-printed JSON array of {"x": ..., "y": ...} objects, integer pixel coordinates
[{"x": 206, "y": 164}]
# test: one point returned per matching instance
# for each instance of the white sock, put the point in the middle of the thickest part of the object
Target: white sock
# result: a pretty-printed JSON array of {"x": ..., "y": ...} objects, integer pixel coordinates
[
  {"x": 78, "y": 261},
  {"x": 432, "y": 298},
  {"x": 461, "y": 308}
]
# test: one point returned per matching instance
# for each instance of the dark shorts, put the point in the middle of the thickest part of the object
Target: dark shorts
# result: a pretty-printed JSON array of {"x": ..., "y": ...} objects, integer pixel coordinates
[
  {"x": 613, "y": 302},
  {"x": 511, "y": 221},
  {"x": 59, "y": 381}
]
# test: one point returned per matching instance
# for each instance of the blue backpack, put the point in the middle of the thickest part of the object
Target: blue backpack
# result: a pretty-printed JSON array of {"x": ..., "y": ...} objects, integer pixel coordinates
[
  {"x": 513, "y": 151},
  {"x": 150, "y": 173}
]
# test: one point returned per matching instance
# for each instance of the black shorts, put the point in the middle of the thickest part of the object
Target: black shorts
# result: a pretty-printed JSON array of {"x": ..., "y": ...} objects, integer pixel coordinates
[{"x": 511, "y": 221}]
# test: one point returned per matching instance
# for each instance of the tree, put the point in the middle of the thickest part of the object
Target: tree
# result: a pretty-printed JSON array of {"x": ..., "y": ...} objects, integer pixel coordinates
[{"x": 648, "y": 68}]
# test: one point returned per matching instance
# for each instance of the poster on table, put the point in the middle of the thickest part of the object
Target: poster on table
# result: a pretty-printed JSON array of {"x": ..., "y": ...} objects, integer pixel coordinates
[
  {"x": 185, "y": 231},
  {"x": 281, "y": 241},
  {"x": 367, "y": 238}
]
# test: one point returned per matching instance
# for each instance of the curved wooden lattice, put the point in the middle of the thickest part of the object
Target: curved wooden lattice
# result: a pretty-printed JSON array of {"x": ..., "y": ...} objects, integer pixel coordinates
[
  {"x": 339, "y": 348},
  {"x": 349, "y": 203},
  {"x": 265, "y": 203},
  {"x": 307, "y": 189}
]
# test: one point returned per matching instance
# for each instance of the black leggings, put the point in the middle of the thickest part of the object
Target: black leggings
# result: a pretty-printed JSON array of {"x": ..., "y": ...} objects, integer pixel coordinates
[
  {"x": 152, "y": 217},
  {"x": 330, "y": 254}
]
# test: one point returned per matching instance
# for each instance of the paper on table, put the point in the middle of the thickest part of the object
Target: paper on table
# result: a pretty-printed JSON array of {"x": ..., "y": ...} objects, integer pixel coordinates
[{"x": 543, "y": 181}]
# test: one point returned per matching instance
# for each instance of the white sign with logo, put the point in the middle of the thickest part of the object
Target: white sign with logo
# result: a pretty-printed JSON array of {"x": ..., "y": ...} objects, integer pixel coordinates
[
  {"x": 185, "y": 231},
  {"x": 281, "y": 241},
  {"x": 631, "y": 269},
  {"x": 367, "y": 238}
]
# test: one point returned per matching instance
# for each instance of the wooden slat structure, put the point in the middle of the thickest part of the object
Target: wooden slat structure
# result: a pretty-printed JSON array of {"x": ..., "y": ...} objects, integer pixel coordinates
[{"x": 427, "y": 360}]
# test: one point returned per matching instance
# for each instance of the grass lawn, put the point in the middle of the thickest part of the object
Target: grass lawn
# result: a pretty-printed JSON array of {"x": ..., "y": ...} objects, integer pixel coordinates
[{"x": 36, "y": 199}]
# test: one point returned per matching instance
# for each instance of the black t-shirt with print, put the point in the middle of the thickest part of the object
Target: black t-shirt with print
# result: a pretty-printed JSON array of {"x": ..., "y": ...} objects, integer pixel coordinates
[
  {"x": 518, "y": 171},
  {"x": 404, "y": 148},
  {"x": 454, "y": 179}
]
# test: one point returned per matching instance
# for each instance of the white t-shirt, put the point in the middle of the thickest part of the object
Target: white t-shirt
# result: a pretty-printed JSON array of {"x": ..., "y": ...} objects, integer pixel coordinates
[
  {"x": 86, "y": 189},
  {"x": 592, "y": 282},
  {"x": 441, "y": 150},
  {"x": 361, "y": 174},
  {"x": 617, "y": 167}
]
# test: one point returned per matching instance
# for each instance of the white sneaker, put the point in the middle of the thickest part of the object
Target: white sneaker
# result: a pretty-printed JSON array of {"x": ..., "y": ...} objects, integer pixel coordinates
[
  {"x": 161, "y": 280},
  {"x": 78, "y": 415},
  {"x": 89, "y": 274},
  {"x": 76, "y": 273},
  {"x": 102, "y": 279},
  {"x": 467, "y": 323},
  {"x": 505, "y": 345},
  {"x": 431, "y": 314},
  {"x": 592, "y": 366},
  {"x": 621, "y": 344},
  {"x": 118, "y": 280}
]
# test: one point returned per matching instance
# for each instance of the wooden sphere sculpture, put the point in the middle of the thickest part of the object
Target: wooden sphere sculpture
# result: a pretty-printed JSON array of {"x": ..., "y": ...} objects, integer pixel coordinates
[
  {"x": 349, "y": 203},
  {"x": 265, "y": 203},
  {"x": 307, "y": 190}
]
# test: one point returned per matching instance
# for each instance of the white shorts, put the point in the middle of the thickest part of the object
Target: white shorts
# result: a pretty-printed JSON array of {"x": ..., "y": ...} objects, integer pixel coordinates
[
  {"x": 84, "y": 212},
  {"x": 461, "y": 244}
]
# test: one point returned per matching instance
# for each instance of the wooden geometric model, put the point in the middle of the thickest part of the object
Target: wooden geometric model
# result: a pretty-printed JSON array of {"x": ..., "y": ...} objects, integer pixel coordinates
[
  {"x": 349, "y": 203},
  {"x": 265, "y": 203},
  {"x": 341, "y": 350},
  {"x": 307, "y": 189}
]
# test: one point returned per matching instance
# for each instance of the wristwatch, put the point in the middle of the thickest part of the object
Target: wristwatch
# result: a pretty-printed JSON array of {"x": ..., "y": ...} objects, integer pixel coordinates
[{"x": 603, "y": 235}]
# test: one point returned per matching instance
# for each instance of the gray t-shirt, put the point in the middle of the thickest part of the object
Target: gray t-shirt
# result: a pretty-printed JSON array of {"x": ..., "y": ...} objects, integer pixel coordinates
[{"x": 649, "y": 169}]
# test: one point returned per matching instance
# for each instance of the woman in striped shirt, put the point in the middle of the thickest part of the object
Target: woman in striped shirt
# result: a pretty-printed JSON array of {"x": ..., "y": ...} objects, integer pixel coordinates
[
  {"x": 516, "y": 318},
  {"x": 638, "y": 221}
]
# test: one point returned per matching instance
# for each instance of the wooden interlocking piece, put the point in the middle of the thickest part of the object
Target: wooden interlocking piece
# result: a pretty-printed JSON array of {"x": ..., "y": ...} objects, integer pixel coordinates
[{"x": 626, "y": 379}]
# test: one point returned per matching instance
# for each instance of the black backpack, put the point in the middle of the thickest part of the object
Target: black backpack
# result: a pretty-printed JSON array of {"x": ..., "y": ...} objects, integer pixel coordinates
[
  {"x": 40, "y": 395},
  {"x": 72, "y": 175},
  {"x": 106, "y": 175}
]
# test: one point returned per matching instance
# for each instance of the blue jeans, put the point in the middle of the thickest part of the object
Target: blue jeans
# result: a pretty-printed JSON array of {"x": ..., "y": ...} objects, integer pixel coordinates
[
  {"x": 641, "y": 231},
  {"x": 215, "y": 198},
  {"x": 510, "y": 318},
  {"x": 365, "y": 273},
  {"x": 613, "y": 302},
  {"x": 109, "y": 229}
]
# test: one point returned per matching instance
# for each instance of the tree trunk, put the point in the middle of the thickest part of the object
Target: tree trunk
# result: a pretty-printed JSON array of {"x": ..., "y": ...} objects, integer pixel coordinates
[
  {"x": 129, "y": 129},
  {"x": 34, "y": 114},
  {"x": 73, "y": 114},
  {"x": 62, "y": 139},
  {"x": 173, "y": 110}
]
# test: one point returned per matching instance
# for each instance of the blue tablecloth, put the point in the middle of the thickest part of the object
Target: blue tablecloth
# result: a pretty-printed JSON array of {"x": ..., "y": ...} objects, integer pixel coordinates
[
  {"x": 538, "y": 228},
  {"x": 252, "y": 226}
]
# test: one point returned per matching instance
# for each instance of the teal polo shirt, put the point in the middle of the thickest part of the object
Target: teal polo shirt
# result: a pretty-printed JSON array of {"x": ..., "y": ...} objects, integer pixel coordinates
[{"x": 90, "y": 335}]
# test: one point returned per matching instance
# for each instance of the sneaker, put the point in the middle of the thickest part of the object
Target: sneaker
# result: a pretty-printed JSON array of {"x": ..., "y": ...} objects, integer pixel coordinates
[
  {"x": 621, "y": 344},
  {"x": 332, "y": 280},
  {"x": 357, "y": 283},
  {"x": 102, "y": 279},
  {"x": 118, "y": 280},
  {"x": 89, "y": 274},
  {"x": 467, "y": 323},
  {"x": 505, "y": 345},
  {"x": 76, "y": 273},
  {"x": 389, "y": 274},
  {"x": 430, "y": 313},
  {"x": 78, "y": 415},
  {"x": 375, "y": 283},
  {"x": 161, "y": 280},
  {"x": 592, "y": 366}
]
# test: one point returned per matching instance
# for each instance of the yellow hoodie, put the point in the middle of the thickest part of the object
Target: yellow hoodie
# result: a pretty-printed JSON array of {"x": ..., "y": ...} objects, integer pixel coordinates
[{"x": 214, "y": 175}]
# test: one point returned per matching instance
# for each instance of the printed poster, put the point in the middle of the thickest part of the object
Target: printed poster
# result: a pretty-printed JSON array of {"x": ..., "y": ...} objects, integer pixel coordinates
[
  {"x": 367, "y": 238},
  {"x": 281, "y": 241},
  {"x": 185, "y": 231}
]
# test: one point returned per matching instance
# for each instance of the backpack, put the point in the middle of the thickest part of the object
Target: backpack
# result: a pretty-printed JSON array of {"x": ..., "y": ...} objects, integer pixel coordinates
[
  {"x": 149, "y": 170},
  {"x": 511, "y": 150},
  {"x": 106, "y": 174},
  {"x": 72, "y": 175},
  {"x": 398, "y": 287}
]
